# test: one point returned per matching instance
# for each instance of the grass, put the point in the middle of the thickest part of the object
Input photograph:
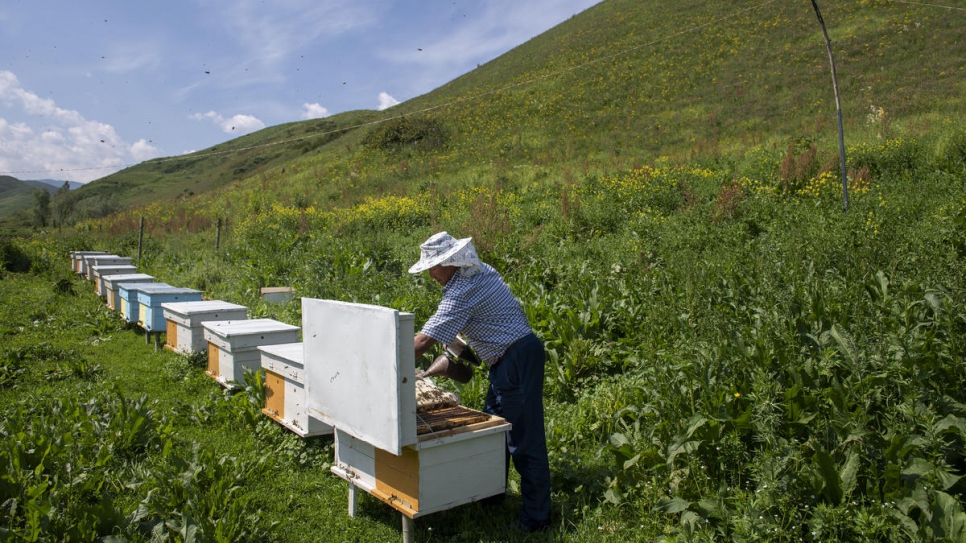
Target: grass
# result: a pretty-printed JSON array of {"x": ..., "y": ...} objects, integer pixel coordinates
[{"x": 729, "y": 355}]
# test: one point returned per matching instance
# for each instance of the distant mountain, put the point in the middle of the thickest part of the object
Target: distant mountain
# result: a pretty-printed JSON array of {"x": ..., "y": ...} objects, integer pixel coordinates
[{"x": 52, "y": 185}]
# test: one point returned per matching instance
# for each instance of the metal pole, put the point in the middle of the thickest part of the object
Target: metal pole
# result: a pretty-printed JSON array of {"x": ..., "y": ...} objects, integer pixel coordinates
[
  {"x": 407, "y": 529},
  {"x": 838, "y": 108},
  {"x": 140, "y": 239},
  {"x": 218, "y": 234}
]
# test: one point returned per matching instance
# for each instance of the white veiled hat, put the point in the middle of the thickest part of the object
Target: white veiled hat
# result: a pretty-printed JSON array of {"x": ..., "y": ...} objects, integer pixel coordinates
[{"x": 443, "y": 249}]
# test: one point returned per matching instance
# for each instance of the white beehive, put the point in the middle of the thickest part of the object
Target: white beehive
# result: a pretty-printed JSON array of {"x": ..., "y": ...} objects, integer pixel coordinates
[
  {"x": 112, "y": 285},
  {"x": 184, "y": 331},
  {"x": 77, "y": 259},
  {"x": 285, "y": 398},
  {"x": 233, "y": 346},
  {"x": 360, "y": 378},
  {"x": 102, "y": 271},
  {"x": 103, "y": 260}
]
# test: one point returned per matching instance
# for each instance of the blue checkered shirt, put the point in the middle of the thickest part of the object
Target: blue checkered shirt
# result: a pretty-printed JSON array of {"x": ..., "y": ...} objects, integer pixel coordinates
[{"x": 483, "y": 309}]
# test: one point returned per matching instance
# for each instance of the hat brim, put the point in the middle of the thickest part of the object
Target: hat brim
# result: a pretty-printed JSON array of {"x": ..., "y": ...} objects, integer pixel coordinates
[{"x": 427, "y": 263}]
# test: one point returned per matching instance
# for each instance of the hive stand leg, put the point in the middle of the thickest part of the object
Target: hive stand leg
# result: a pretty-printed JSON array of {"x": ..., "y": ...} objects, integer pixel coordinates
[
  {"x": 407, "y": 528},
  {"x": 147, "y": 337},
  {"x": 353, "y": 500},
  {"x": 157, "y": 341}
]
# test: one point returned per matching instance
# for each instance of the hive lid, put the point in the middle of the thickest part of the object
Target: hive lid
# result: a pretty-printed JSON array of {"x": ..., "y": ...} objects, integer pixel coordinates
[
  {"x": 285, "y": 351},
  {"x": 242, "y": 327},
  {"x": 160, "y": 288},
  {"x": 360, "y": 371},
  {"x": 201, "y": 307},
  {"x": 102, "y": 268},
  {"x": 136, "y": 286},
  {"x": 132, "y": 277}
]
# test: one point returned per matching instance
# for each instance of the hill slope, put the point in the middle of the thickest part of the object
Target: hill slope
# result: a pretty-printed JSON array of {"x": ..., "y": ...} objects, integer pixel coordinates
[
  {"x": 15, "y": 195},
  {"x": 619, "y": 85}
]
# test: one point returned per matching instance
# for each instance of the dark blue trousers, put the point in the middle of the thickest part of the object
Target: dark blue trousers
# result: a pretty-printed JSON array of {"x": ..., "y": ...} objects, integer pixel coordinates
[{"x": 516, "y": 394}]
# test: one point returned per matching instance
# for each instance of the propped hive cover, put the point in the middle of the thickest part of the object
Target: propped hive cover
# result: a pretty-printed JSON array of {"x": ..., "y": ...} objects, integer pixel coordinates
[{"x": 360, "y": 371}]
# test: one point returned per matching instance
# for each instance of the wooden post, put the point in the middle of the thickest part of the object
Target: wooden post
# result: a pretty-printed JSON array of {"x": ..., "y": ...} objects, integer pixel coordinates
[
  {"x": 140, "y": 239},
  {"x": 838, "y": 108},
  {"x": 218, "y": 234}
]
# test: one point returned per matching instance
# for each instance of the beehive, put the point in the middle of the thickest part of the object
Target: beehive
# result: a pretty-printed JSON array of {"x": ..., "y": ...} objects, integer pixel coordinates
[
  {"x": 103, "y": 260},
  {"x": 127, "y": 292},
  {"x": 285, "y": 398},
  {"x": 112, "y": 285},
  {"x": 102, "y": 271},
  {"x": 233, "y": 346},
  {"x": 184, "y": 331},
  {"x": 77, "y": 259},
  {"x": 360, "y": 378},
  {"x": 150, "y": 296}
]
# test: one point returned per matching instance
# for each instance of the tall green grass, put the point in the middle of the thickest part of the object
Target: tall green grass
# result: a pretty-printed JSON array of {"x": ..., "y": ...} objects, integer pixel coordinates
[{"x": 730, "y": 354}]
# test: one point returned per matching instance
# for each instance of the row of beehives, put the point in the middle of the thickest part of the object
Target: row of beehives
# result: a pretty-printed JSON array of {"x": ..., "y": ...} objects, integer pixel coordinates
[
  {"x": 353, "y": 376},
  {"x": 233, "y": 342}
]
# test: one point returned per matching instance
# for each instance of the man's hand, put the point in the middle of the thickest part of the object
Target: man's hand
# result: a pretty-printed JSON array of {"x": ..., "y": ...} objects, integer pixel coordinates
[{"x": 423, "y": 343}]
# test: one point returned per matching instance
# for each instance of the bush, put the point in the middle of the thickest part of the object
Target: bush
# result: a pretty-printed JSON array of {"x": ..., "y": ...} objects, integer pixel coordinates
[
  {"x": 417, "y": 132},
  {"x": 12, "y": 258}
]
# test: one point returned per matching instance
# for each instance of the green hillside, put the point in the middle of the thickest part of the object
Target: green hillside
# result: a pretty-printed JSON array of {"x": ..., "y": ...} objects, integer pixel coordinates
[
  {"x": 623, "y": 84},
  {"x": 15, "y": 195},
  {"x": 732, "y": 355}
]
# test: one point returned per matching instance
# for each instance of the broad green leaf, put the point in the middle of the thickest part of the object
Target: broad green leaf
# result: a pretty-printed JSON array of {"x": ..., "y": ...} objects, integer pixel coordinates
[
  {"x": 612, "y": 496},
  {"x": 948, "y": 517},
  {"x": 697, "y": 421},
  {"x": 686, "y": 447},
  {"x": 691, "y": 519},
  {"x": 674, "y": 505},
  {"x": 630, "y": 463},
  {"x": 918, "y": 467},
  {"x": 849, "y": 473},
  {"x": 951, "y": 422},
  {"x": 845, "y": 343},
  {"x": 833, "y": 483}
]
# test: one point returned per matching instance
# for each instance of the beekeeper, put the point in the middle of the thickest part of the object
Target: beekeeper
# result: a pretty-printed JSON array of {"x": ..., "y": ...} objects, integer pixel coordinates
[{"x": 478, "y": 304}]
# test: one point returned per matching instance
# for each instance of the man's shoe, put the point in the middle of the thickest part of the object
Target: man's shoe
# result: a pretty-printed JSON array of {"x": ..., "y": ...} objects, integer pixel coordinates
[{"x": 519, "y": 526}]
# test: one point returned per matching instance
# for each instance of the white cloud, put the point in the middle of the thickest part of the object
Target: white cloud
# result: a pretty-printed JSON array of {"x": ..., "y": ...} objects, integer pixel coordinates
[
  {"x": 141, "y": 150},
  {"x": 57, "y": 142},
  {"x": 386, "y": 101},
  {"x": 238, "y": 124},
  {"x": 314, "y": 111}
]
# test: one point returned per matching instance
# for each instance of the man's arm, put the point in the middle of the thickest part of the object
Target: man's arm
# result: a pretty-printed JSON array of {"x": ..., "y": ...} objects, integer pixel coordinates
[{"x": 423, "y": 343}]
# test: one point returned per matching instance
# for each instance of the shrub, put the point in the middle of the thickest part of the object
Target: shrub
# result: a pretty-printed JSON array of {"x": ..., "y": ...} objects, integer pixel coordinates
[
  {"x": 12, "y": 258},
  {"x": 417, "y": 132}
]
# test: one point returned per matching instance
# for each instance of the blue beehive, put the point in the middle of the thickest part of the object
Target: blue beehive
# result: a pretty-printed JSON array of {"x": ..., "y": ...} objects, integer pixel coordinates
[
  {"x": 150, "y": 297},
  {"x": 129, "y": 299},
  {"x": 112, "y": 284}
]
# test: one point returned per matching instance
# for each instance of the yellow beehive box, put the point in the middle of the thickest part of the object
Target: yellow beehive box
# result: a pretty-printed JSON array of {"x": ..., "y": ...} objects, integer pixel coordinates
[
  {"x": 77, "y": 259},
  {"x": 285, "y": 398},
  {"x": 184, "y": 331},
  {"x": 233, "y": 346}
]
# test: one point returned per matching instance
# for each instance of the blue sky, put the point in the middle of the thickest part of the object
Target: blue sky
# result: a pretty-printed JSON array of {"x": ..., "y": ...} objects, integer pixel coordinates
[{"x": 88, "y": 87}]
